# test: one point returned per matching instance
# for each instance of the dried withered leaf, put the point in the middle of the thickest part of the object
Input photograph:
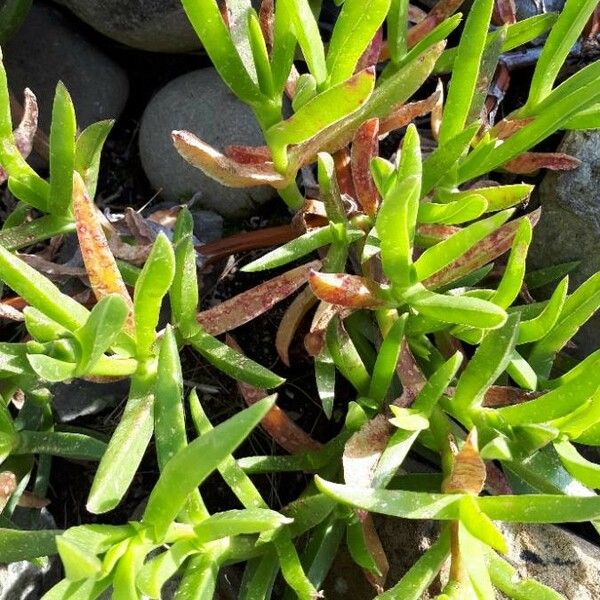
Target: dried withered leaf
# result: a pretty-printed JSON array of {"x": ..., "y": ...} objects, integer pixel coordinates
[
  {"x": 375, "y": 548},
  {"x": 10, "y": 312},
  {"x": 276, "y": 422},
  {"x": 352, "y": 291},
  {"x": 490, "y": 248},
  {"x": 315, "y": 338},
  {"x": 254, "y": 302},
  {"x": 529, "y": 162},
  {"x": 405, "y": 114},
  {"x": 165, "y": 217},
  {"x": 99, "y": 261},
  {"x": 25, "y": 132},
  {"x": 365, "y": 146},
  {"x": 311, "y": 215},
  {"x": 8, "y": 485},
  {"x": 139, "y": 229},
  {"x": 290, "y": 321},
  {"x": 416, "y": 14},
  {"x": 469, "y": 472},
  {"x": 52, "y": 269},
  {"x": 437, "y": 111},
  {"x": 248, "y": 240},
  {"x": 222, "y": 168},
  {"x": 364, "y": 449}
]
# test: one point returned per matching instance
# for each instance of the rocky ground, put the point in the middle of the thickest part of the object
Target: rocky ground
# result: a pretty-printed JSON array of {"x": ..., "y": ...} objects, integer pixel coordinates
[{"x": 138, "y": 61}]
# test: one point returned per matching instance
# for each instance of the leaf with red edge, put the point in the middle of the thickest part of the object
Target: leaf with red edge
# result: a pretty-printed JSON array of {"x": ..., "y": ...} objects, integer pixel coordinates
[
  {"x": 290, "y": 321},
  {"x": 352, "y": 291},
  {"x": 490, "y": 248},
  {"x": 276, "y": 422},
  {"x": 370, "y": 56},
  {"x": 530, "y": 162},
  {"x": 99, "y": 261},
  {"x": 365, "y": 147},
  {"x": 254, "y": 302},
  {"x": 224, "y": 169}
]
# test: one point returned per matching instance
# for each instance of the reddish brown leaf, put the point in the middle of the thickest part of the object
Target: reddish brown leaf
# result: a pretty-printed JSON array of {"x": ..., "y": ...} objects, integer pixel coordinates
[
  {"x": 505, "y": 12},
  {"x": 292, "y": 318},
  {"x": 592, "y": 29},
  {"x": 440, "y": 12},
  {"x": 276, "y": 422},
  {"x": 365, "y": 147},
  {"x": 469, "y": 471},
  {"x": 342, "y": 289},
  {"x": 490, "y": 248},
  {"x": 529, "y": 162},
  {"x": 343, "y": 172},
  {"x": 407, "y": 113},
  {"x": 248, "y": 155},
  {"x": 222, "y": 168},
  {"x": 410, "y": 374},
  {"x": 250, "y": 304},
  {"x": 99, "y": 261},
  {"x": 266, "y": 17}
]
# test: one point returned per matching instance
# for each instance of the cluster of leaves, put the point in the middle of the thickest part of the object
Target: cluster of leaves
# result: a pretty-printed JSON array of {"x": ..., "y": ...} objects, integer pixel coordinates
[{"x": 449, "y": 356}]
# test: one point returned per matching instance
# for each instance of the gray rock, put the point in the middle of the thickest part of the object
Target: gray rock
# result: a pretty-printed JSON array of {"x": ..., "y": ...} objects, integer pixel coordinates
[
  {"x": 546, "y": 553},
  {"x": 155, "y": 25},
  {"x": 529, "y": 8},
  {"x": 47, "y": 49},
  {"x": 27, "y": 581},
  {"x": 208, "y": 226},
  {"x": 80, "y": 398},
  {"x": 569, "y": 228},
  {"x": 203, "y": 104}
]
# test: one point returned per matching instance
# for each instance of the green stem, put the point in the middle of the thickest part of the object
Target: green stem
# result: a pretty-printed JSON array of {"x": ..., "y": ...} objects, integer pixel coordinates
[{"x": 292, "y": 196}]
